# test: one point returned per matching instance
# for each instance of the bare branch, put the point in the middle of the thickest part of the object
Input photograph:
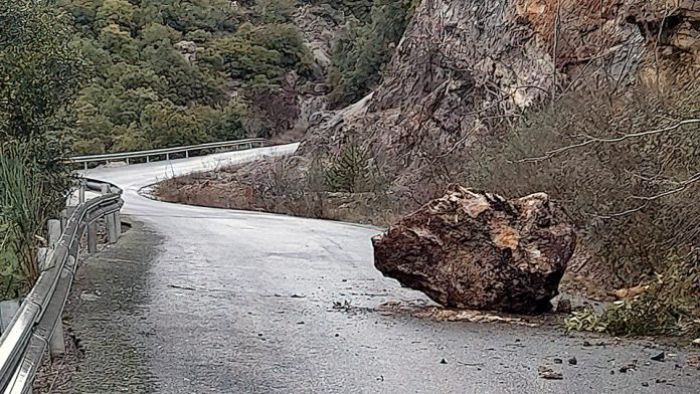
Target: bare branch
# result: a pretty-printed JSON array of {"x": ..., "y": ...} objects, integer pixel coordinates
[
  {"x": 683, "y": 185},
  {"x": 595, "y": 140},
  {"x": 618, "y": 214},
  {"x": 557, "y": 31}
]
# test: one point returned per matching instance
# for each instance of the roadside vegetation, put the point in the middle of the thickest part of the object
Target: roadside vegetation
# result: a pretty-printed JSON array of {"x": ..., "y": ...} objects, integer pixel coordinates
[
  {"x": 41, "y": 73},
  {"x": 668, "y": 304}
]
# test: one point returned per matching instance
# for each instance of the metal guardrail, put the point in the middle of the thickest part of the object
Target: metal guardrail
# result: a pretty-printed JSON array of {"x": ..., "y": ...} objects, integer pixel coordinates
[
  {"x": 245, "y": 144},
  {"x": 37, "y": 325}
]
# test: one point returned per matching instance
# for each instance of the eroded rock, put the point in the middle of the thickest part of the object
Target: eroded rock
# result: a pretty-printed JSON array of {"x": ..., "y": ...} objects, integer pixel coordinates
[{"x": 478, "y": 250}]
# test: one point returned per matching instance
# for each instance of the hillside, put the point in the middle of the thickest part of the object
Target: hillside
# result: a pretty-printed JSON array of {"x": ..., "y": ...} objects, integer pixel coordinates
[{"x": 164, "y": 73}]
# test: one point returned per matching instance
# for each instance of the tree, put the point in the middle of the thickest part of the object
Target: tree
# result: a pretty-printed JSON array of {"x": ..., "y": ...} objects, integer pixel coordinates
[
  {"x": 39, "y": 73},
  {"x": 39, "y": 67},
  {"x": 362, "y": 51},
  {"x": 275, "y": 11},
  {"x": 118, "y": 42},
  {"x": 119, "y": 12}
]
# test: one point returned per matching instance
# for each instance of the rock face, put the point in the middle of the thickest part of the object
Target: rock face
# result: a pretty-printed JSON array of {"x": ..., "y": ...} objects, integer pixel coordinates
[
  {"x": 464, "y": 69},
  {"x": 477, "y": 250}
]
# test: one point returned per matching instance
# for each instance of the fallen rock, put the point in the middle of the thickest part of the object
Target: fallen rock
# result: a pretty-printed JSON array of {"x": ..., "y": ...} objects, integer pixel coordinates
[
  {"x": 476, "y": 250},
  {"x": 549, "y": 373},
  {"x": 661, "y": 357}
]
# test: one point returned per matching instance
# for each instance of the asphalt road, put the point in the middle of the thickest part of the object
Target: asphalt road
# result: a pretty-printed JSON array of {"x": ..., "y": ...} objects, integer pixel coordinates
[{"x": 201, "y": 300}]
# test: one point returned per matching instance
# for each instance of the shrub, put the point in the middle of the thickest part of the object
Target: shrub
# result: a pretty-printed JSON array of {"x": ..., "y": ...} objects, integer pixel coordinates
[
  {"x": 349, "y": 171},
  {"x": 31, "y": 191},
  {"x": 669, "y": 306}
]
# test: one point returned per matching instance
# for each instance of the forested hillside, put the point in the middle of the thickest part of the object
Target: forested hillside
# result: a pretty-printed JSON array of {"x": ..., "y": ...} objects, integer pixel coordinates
[
  {"x": 173, "y": 72},
  {"x": 163, "y": 73}
]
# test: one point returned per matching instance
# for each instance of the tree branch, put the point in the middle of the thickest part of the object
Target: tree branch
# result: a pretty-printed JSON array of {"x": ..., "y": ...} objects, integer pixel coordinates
[
  {"x": 683, "y": 185},
  {"x": 594, "y": 140}
]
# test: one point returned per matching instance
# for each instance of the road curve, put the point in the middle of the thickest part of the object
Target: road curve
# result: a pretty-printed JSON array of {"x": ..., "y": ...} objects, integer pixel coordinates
[{"x": 241, "y": 302}]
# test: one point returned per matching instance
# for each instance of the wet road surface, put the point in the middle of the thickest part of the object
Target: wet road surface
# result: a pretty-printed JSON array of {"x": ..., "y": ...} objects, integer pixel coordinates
[{"x": 200, "y": 300}]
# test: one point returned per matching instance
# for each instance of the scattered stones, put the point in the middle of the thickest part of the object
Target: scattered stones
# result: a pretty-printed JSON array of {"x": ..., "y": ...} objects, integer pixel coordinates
[
  {"x": 573, "y": 361},
  {"x": 549, "y": 373},
  {"x": 443, "y": 361},
  {"x": 629, "y": 367},
  {"x": 645, "y": 384},
  {"x": 589, "y": 344},
  {"x": 89, "y": 296},
  {"x": 476, "y": 250},
  {"x": 188, "y": 288},
  {"x": 661, "y": 357},
  {"x": 693, "y": 361},
  {"x": 558, "y": 361}
]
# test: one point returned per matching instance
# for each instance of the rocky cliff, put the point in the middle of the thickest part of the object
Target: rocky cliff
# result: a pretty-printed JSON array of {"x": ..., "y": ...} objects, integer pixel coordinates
[{"x": 468, "y": 68}]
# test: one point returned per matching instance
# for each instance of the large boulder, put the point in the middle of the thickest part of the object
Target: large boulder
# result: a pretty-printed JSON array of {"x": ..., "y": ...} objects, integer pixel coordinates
[{"x": 477, "y": 250}]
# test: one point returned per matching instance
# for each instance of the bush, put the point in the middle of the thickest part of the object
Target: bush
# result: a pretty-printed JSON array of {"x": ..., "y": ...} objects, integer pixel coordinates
[
  {"x": 39, "y": 68},
  {"x": 630, "y": 194},
  {"x": 669, "y": 306},
  {"x": 41, "y": 71},
  {"x": 351, "y": 170},
  {"x": 31, "y": 191}
]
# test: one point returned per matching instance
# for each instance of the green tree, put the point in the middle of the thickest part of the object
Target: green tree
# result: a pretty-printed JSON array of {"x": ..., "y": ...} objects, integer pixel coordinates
[
  {"x": 275, "y": 11},
  {"x": 40, "y": 71},
  {"x": 38, "y": 65},
  {"x": 119, "y": 12},
  {"x": 363, "y": 50}
]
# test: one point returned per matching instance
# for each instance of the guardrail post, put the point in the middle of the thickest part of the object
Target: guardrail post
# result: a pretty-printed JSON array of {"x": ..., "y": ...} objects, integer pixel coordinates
[
  {"x": 64, "y": 219},
  {"x": 167, "y": 156},
  {"x": 92, "y": 237},
  {"x": 54, "y": 228},
  {"x": 41, "y": 255},
  {"x": 118, "y": 223},
  {"x": 148, "y": 159},
  {"x": 110, "y": 223},
  {"x": 8, "y": 309},
  {"x": 81, "y": 191},
  {"x": 187, "y": 154},
  {"x": 56, "y": 343},
  {"x": 110, "y": 220}
]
